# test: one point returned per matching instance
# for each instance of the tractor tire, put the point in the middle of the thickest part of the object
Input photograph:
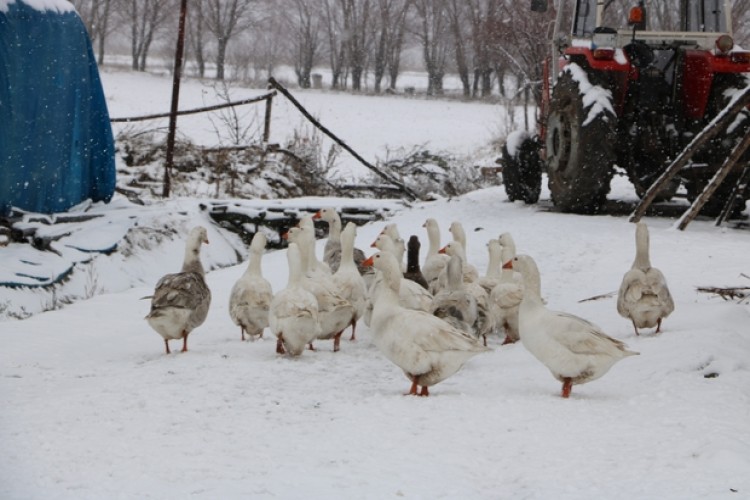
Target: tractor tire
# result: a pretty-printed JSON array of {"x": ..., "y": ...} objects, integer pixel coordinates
[
  {"x": 580, "y": 155},
  {"x": 522, "y": 171}
]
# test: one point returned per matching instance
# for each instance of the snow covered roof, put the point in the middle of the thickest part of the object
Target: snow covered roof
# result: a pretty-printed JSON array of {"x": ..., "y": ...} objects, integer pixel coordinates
[{"x": 60, "y": 6}]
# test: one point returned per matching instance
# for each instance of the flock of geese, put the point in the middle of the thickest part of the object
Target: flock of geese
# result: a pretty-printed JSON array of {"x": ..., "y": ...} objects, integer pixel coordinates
[{"x": 428, "y": 319}]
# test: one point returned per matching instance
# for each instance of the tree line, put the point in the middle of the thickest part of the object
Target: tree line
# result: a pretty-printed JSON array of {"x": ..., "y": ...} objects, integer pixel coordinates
[{"x": 360, "y": 42}]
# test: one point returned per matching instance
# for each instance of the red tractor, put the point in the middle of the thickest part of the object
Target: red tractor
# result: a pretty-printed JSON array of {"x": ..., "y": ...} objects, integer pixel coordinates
[{"x": 617, "y": 94}]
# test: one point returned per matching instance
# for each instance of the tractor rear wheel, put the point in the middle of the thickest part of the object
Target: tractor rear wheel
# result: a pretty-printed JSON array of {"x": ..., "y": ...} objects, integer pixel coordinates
[
  {"x": 580, "y": 149},
  {"x": 522, "y": 171}
]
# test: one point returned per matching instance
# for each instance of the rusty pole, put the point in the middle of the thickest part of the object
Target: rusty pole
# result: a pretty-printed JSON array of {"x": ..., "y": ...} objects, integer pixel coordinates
[{"x": 175, "y": 100}]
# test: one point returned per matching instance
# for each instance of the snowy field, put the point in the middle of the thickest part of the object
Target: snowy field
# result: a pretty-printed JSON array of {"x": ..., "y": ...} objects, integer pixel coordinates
[
  {"x": 372, "y": 125},
  {"x": 92, "y": 408}
]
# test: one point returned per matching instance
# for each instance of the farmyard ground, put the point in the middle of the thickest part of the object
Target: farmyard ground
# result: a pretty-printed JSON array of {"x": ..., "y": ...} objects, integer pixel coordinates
[{"x": 93, "y": 408}]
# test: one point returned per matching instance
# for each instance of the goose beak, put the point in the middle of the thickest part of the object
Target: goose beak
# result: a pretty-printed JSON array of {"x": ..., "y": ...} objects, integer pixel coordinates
[
  {"x": 442, "y": 250},
  {"x": 508, "y": 265},
  {"x": 285, "y": 236},
  {"x": 368, "y": 262},
  {"x": 317, "y": 215}
]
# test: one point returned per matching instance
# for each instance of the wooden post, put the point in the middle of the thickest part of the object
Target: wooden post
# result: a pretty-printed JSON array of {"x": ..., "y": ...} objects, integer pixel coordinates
[
  {"x": 719, "y": 123},
  {"x": 714, "y": 183},
  {"x": 175, "y": 100},
  {"x": 267, "y": 120}
]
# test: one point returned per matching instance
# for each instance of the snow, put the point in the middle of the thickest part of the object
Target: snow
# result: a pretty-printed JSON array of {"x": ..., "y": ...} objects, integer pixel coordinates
[
  {"x": 372, "y": 125},
  {"x": 515, "y": 140},
  {"x": 596, "y": 99},
  {"x": 92, "y": 407},
  {"x": 60, "y": 6}
]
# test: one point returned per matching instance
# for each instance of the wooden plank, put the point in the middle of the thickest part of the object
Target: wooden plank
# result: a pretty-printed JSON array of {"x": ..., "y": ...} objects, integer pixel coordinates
[
  {"x": 195, "y": 110},
  {"x": 737, "y": 195},
  {"x": 715, "y": 182},
  {"x": 720, "y": 122}
]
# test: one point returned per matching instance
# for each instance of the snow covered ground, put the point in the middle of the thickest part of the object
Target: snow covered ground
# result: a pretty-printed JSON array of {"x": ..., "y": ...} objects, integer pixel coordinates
[
  {"x": 372, "y": 125},
  {"x": 92, "y": 408}
]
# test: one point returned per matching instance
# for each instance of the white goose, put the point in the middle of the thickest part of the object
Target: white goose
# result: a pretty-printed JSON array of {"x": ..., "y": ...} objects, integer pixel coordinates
[
  {"x": 411, "y": 294},
  {"x": 644, "y": 297},
  {"x": 470, "y": 273},
  {"x": 457, "y": 231},
  {"x": 506, "y": 297},
  {"x": 492, "y": 275},
  {"x": 181, "y": 300},
  {"x": 347, "y": 278},
  {"x": 335, "y": 313},
  {"x": 293, "y": 312},
  {"x": 251, "y": 295},
  {"x": 332, "y": 249},
  {"x": 485, "y": 322},
  {"x": 426, "y": 348},
  {"x": 399, "y": 247},
  {"x": 314, "y": 265},
  {"x": 435, "y": 261},
  {"x": 507, "y": 242},
  {"x": 455, "y": 304},
  {"x": 573, "y": 349}
]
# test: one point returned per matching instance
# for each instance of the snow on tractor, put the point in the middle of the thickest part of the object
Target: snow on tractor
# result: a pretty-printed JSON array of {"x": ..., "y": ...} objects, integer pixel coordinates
[{"x": 617, "y": 94}]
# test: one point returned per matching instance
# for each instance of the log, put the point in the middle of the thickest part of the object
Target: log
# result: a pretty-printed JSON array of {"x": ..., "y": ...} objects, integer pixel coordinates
[{"x": 720, "y": 122}]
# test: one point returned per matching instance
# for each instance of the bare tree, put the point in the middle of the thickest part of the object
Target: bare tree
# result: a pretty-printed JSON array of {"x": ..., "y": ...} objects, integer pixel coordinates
[
  {"x": 145, "y": 18},
  {"x": 195, "y": 34},
  {"x": 266, "y": 43},
  {"x": 393, "y": 54},
  {"x": 432, "y": 32},
  {"x": 522, "y": 39},
  {"x": 357, "y": 26},
  {"x": 336, "y": 46},
  {"x": 96, "y": 16},
  {"x": 457, "y": 14},
  {"x": 225, "y": 19},
  {"x": 305, "y": 25},
  {"x": 389, "y": 32}
]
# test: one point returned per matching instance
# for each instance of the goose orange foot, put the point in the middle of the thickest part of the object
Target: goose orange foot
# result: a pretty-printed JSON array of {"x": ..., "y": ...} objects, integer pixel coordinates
[{"x": 567, "y": 387}]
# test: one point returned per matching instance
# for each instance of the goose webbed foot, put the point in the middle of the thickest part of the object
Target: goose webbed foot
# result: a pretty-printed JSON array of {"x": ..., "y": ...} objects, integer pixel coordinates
[{"x": 567, "y": 387}]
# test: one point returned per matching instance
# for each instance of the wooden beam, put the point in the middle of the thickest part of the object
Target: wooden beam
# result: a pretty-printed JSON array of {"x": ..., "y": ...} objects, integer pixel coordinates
[
  {"x": 404, "y": 188},
  {"x": 715, "y": 182},
  {"x": 736, "y": 195},
  {"x": 720, "y": 122},
  {"x": 264, "y": 97}
]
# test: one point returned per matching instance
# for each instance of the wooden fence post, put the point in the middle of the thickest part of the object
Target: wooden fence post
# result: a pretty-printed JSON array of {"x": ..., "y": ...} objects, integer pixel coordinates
[
  {"x": 175, "y": 100},
  {"x": 267, "y": 119}
]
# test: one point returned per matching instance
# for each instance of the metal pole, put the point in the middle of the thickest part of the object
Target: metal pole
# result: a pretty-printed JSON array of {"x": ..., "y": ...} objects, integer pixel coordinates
[{"x": 175, "y": 99}]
